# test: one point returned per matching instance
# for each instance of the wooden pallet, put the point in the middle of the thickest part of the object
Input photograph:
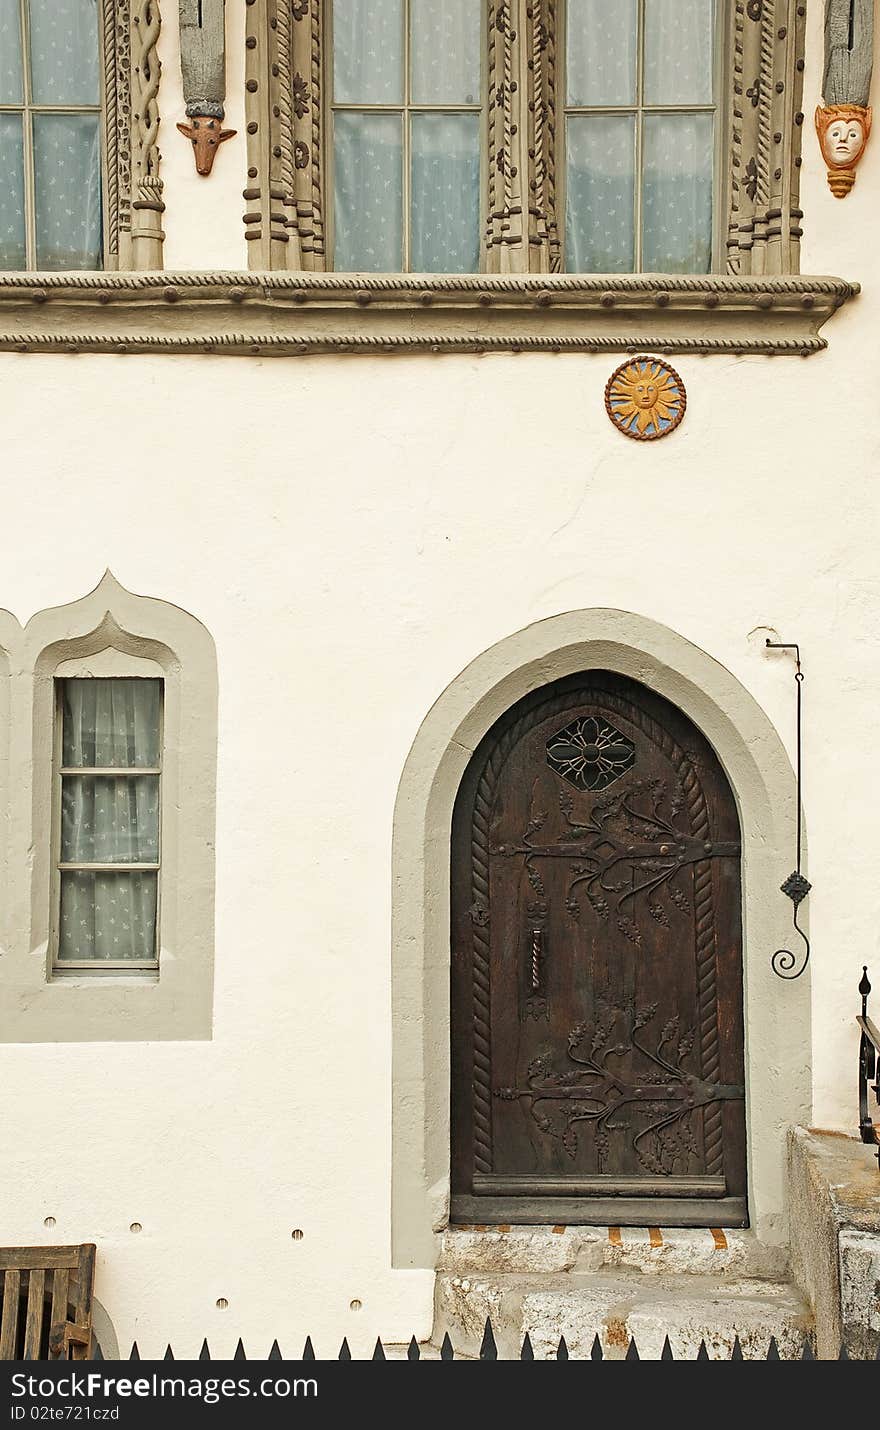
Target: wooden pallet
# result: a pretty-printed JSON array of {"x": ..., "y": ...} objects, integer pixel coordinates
[{"x": 47, "y": 1302}]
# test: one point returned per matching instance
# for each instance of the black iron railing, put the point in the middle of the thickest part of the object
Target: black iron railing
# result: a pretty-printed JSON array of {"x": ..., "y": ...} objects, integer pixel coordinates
[
  {"x": 489, "y": 1351},
  {"x": 869, "y": 1068}
]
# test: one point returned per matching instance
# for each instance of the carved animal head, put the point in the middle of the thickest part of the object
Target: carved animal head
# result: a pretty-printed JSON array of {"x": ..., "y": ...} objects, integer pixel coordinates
[{"x": 206, "y": 136}]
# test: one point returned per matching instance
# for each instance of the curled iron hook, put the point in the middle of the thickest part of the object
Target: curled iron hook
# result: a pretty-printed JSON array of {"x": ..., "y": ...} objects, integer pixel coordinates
[
  {"x": 796, "y": 886},
  {"x": 783, "y": 960}
]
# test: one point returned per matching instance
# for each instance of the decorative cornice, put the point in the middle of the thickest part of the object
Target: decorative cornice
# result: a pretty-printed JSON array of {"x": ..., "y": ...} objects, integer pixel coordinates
[{"x": 290, "y": 313}]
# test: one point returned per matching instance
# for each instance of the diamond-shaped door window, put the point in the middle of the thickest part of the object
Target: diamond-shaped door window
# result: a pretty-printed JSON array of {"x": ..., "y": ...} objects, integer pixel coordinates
[{"x": 590, "y": 753}]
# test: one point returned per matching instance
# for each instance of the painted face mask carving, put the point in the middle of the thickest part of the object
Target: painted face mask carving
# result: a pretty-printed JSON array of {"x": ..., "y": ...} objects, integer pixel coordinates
[{"x": 843, "y": 131}]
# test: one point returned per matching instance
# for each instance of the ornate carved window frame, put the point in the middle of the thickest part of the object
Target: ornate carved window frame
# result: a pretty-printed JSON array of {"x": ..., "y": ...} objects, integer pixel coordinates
[
  {"x": 133, "y": 212},
  {"x": 284, "y": 198},
  {"x": 110, "y": 632},
  {"x": 760, "y": 109},
  {"x": 289, "y": 305}
]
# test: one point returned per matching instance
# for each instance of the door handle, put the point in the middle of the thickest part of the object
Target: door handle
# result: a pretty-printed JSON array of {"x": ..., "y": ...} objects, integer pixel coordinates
[{"x": 536, "y": 968}]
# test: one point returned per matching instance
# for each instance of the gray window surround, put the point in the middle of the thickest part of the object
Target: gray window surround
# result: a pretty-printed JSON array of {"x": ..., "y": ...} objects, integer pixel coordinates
[{"x": 108, "y": 632}]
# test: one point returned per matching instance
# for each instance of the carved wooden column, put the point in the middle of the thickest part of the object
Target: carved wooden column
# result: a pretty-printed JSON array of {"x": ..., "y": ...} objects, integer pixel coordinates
[
  {"x": 766, "y": 120},
  {"x": 129, "y": 32},
  {"x": 116, "y": 55},
  {"x": 308, "y": 100},
  {"x": 541, "y": 82},
  {"x": 203, "y": 56},
  {"x": 284, "y": 215},
  {"x": 506, "y": 228},
  {"x": 848, "y": 67},
  {"x": 521, "y": 229},
  {"x": 146, "y": 186}
]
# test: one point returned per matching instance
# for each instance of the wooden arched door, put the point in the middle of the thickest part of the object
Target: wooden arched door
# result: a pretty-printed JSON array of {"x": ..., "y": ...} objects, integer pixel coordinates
[{"x": 597, "y": 1002}]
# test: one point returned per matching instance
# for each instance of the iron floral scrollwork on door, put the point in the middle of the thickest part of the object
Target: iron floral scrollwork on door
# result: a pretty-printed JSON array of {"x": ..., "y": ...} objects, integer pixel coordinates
[
  {"x": 637, "y": 851},
  {"x": 629, "y": 847},
  {"x": 590, "y": 753},
  {"x": 660, "y": 1090}
]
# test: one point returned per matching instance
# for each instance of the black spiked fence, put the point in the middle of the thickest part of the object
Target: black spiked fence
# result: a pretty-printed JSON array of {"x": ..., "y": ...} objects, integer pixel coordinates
[{"x": 489, "y": 1351}]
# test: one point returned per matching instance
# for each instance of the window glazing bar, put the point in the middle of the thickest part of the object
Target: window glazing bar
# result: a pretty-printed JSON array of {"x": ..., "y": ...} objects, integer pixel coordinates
[
  {"x": 110, "y": 771},
  {"x": 119, "y": 868}
]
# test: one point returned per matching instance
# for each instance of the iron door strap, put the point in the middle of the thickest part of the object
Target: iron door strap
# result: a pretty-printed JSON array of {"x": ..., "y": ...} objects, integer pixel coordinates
[
  {"x": 690, "y": 1090},
  {"x": 681, "y": 850}
]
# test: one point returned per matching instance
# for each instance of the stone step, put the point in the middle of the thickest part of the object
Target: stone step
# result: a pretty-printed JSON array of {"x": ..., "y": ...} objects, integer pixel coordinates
[
  {"x": 618, "y": 1305},
  {"x": 544, "y": 1249}
]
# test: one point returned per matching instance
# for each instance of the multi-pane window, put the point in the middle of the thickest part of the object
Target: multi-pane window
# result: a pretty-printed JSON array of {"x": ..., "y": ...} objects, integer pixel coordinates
[
  {"x": 640, "y": 140},
  {"x": 109, "y": 769},
  {"x": 50, "y": 135},
  {"x": 635, "y": 158},
  {"x": 406, "y": 135}
]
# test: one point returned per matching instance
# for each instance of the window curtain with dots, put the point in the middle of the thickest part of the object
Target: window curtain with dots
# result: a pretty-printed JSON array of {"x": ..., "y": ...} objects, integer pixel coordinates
[{"x": 109, "y": 819}]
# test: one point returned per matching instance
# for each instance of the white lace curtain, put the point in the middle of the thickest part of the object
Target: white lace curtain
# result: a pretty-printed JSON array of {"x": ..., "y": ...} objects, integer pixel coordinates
[
  {"x": 109, "y": 819},
  {"x": 56, "y": 67},
  {"x": 639, "y": 135},
  {"x": 412, "y": 145},
  {"x": 647, "y": 161}
]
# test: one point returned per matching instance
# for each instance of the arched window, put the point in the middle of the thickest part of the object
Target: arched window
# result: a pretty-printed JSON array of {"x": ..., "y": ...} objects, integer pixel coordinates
[{"x": 113, "y": 822}]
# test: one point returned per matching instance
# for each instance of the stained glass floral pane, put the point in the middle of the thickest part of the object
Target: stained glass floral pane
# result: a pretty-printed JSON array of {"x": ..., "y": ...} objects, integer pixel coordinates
[
  {"x": 10, "y": 53},
  {"x": 679, "y": 49},
  {"x": 110, "y": 723},
  {"x": 109, "y": 820},
  {"x": 677, "y": 193},
  {"x": 599, "y": 223},
  {"x": 64, "y": 51},
  {"x": 368, "y": 51},
  {"x": 445, "y": 48},
  {"x": 368, "y": 193},
  {"x": 445, "y": 193},
  {"x": 67, "y": 183},
  {"x": 601, "y": 52},
  {"x": 12, "y": 233},
  {"x": 107, "y": 916}
]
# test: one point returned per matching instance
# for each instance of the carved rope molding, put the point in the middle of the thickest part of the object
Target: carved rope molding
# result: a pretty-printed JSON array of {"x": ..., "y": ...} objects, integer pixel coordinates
[{"x": 296, "y": 313}]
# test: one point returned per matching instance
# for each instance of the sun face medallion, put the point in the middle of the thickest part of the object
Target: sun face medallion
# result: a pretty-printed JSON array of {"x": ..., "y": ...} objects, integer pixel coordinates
[{"x": 645, "y": 398}]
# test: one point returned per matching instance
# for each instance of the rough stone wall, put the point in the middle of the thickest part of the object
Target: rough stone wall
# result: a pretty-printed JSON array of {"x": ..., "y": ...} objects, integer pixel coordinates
[{"x": 834, "y": 1193}]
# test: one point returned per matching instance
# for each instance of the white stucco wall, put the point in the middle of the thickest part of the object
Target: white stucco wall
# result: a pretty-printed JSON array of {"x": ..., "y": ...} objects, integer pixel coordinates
[{"x": 352, "y": 532}]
